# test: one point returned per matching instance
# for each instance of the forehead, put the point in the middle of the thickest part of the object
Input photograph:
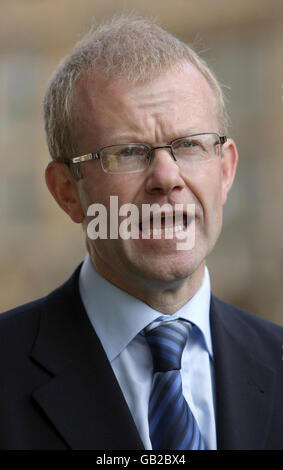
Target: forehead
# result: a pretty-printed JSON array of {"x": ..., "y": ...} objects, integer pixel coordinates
[{"x": 178, "y": 100}]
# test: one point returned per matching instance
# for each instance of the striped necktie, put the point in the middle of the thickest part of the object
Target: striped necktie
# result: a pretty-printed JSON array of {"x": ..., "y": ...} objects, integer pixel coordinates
[{"x": 172, "y": 425}]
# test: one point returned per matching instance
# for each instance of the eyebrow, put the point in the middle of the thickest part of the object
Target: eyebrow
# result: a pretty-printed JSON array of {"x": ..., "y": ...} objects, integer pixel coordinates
[{"x": 126, "y": 140}]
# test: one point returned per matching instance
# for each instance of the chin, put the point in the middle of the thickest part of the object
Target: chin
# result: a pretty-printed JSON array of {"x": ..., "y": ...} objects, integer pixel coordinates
[{"x": 170, "y": 270}]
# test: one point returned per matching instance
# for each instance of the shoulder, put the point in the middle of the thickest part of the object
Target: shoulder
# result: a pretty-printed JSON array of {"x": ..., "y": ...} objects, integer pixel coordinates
[
  {"x": 20, "y": 323},
  {"x": 257, "y": 334},
  {"x": 232, "y": 314},
  {"x": 19, "y": 326}
]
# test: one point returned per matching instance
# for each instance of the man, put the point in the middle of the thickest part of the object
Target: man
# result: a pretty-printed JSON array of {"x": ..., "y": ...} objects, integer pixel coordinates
[{"x": 133, "y": 113}]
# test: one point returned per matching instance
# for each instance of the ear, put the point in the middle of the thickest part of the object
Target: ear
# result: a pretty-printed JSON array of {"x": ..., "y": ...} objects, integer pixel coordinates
[
  {"x": 62, "y": 186},
  {"x": 229, "y": 164}
]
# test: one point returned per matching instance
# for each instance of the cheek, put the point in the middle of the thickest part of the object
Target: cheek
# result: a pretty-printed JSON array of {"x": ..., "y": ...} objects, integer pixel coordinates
[
  {"x": 206, "y": 188},
  {"x": 95, "y": 189},
  {"x": 213, "y": 199},
  {"x": 101, "y": 186},
  {"x": 213, "y": 205}
]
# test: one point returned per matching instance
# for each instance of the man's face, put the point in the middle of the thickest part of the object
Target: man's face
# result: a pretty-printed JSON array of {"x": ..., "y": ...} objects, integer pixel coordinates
[{"x": 173, "y": 105}]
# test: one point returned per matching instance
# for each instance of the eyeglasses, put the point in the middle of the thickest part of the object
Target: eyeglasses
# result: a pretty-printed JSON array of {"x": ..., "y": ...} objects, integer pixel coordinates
[{"x": 136, "y": 157}]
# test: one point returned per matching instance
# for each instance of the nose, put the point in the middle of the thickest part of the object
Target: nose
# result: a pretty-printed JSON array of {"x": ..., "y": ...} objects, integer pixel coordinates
[{"x": 163, "y": 175}]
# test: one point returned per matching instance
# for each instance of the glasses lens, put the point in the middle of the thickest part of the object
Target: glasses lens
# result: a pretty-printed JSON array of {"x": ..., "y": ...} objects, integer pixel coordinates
[
  {"x": 129, "y": 158},
  {"x": 196, "y": 148}
]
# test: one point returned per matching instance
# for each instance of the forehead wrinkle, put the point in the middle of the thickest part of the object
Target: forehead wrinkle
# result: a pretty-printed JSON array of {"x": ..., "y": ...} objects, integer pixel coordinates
[
  {"x": 160, "y": 105},
  {"x": 145, "y": 112}
]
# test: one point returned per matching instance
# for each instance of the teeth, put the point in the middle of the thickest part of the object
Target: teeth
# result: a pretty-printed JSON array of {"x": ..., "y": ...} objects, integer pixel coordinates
[{"x": 166, "y": 230}]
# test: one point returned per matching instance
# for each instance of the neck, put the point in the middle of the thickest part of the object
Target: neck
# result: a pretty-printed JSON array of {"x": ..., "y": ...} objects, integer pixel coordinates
[{"x": 164, "y": 296}]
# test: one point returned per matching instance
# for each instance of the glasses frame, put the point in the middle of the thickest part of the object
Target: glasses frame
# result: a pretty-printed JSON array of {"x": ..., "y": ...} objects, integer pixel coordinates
[{"x": 96, "y": 155}]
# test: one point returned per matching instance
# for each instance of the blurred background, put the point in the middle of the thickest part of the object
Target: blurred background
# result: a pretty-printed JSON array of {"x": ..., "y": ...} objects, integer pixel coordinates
[{"x": 243, "y": 42}]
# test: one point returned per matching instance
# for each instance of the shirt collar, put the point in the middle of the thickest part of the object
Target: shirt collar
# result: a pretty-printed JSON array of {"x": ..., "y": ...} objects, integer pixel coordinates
[{"x": 118, "y": 317}]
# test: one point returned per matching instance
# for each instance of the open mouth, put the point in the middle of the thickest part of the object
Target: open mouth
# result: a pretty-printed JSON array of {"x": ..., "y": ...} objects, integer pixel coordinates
[{"x": 164, "y": 225}]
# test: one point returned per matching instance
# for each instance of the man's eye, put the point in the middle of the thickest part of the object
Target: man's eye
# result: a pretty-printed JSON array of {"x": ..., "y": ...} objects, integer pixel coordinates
[
  {"x": 132, "y": 151},
  {"x": 189, "y": 144},
  {"x": 127, "y": 152}
]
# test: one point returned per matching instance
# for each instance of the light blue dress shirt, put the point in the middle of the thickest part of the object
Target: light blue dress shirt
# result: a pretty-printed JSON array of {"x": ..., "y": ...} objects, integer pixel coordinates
[{"x": 118, "y": 318}]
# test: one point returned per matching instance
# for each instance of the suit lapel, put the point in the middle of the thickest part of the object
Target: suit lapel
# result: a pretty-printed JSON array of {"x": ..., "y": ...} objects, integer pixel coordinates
[
  {"x": 244, "y": 384},
  {"x": 82, "y": 398}
]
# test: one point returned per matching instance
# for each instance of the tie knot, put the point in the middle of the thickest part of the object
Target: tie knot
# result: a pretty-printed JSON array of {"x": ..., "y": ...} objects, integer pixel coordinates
[{"x": 166, "y": 342}]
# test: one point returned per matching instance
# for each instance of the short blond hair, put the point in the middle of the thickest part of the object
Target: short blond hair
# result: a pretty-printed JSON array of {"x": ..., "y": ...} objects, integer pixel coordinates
[{"x": 129, "y": 47}]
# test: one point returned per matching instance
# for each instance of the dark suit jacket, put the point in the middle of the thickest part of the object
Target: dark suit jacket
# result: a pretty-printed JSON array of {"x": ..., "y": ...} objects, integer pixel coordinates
[{"x": 58, "y": 390}]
